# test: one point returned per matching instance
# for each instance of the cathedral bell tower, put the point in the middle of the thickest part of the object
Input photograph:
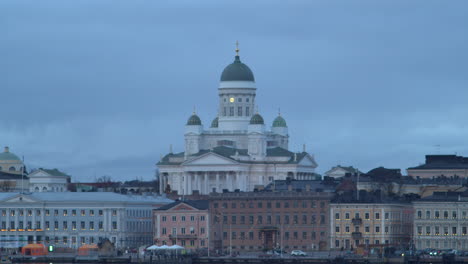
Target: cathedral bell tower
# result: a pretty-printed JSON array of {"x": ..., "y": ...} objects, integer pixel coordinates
[{"x": 236, "y": 96}]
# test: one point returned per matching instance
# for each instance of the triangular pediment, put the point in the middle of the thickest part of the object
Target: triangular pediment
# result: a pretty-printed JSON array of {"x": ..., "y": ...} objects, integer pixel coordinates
[
  {"x": 308, "y": 161},
  {"x": 39, "y": 173},
  {"x": 210, "y": 158},
  {"x": 182, "y": 207},
  {"x": 20, "y": 198}
]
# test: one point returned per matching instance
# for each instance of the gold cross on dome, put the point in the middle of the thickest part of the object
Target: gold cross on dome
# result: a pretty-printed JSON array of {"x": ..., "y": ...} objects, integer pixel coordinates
[{"x": 237, "y": 48}]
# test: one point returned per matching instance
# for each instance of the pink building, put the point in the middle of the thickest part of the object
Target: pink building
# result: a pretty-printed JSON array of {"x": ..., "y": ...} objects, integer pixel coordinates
[{"x": 185, "y": 223}]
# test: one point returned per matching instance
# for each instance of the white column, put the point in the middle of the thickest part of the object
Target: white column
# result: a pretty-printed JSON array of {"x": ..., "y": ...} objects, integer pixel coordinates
[
  {"x": 207, "y": 184},
  {"x": 190, "y": 178},
  {"x": 217, "y": 182},
  {"x": 199, "y": 185},
  {"x": 180, "y": 184}
]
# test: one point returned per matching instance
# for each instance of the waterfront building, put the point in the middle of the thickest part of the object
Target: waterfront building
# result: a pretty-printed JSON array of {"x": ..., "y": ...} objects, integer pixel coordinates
[
  {"x": 71, "y": 219},
  {"x": 262, "y": 220},
  {"x": 441, "y": 221},
  {"x": 369, "y": 222},
  {"x": 238, "y": 150},
  {"x": 441, "y": 165},
  {"x": 184, "y": 223}
]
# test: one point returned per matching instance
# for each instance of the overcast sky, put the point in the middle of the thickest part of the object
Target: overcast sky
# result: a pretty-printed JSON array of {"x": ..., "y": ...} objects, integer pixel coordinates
[{"x": 103, "y": 87}]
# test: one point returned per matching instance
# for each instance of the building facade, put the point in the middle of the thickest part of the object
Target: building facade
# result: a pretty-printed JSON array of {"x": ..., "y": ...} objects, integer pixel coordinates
[
  {"x": 370, "y": 225},
  {"x": 238, "y": 151},
  {"x": 441, "y": 165},
  {"x": 73, "y": 219},
  {"x": 441, "y": 221},
  {"x": 183, "y": 223},
  {"x": 46, "y": 180},
  {"x": 256, "y": 221}
]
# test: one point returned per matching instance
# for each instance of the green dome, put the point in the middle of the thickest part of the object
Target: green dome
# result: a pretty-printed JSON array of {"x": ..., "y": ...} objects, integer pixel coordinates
[
  {"x": 214, "y": 123},
  {"x": 194, "y": 120},
  {"x": 7, "y": 155},
  {"x": 257, "y": 119},
  {"x": 279, "y": 122},
  {"x": 237, "y": 71}
]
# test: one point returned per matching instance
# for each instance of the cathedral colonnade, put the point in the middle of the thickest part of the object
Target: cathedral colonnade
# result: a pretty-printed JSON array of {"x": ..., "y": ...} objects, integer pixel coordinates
[{"x": 204, "y": 181}]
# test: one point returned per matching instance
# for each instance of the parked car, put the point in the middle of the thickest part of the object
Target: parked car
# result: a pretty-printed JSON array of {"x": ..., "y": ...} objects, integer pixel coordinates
[{"x": 298, "y": 253}]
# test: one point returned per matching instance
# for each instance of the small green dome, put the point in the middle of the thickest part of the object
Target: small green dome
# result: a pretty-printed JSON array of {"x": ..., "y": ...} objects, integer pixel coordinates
[
  {"x": 237, "y": 71},
  {"x": 7, "y": 155},
  {"x": 194, "y": 120},
  {"x": 214, "y": 123},
  {"x": 279, "y": 122},
  {"x": 257, "y": 119}
]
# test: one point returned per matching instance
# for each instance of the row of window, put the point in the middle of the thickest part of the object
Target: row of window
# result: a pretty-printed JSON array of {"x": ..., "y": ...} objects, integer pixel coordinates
[
  {"x": 183, "y": 231},
  {"x": 10, "y": 169},
  {"x": 357, "y": 216},
  {"x": 356, "y": 243},
  {"x": 73, "y": 240},
  {"x": 268, "y": 219},
  {"x": 286, "y": 235},
  {"x": 182, "y": 218},
  {"x": 239, "y": 100},
  {"x": 295, "y": 204},
  {"x": 357, "y": 229},
  {"x": 437, "y": 231},
  {"x": 47, "y": 212},
  {"x": 239, "y": 111},
  {"x": 47, "y": 226},
  {"x": 440, "y": 214},
  {"x": 184, "y": 242}
]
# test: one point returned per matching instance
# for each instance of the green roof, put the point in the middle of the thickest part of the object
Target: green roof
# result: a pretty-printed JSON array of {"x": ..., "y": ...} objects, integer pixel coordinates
[
  {"x": 228, "y": 152},
  {"x": 214, "y": 123},
  {"x": 194, "y": 120},
  {"x": 279, "y": 122},
  {"x": 7, "y": 155},
  {"x": 237, "y": 71},
  {"x": 55, "y": 172},
  {"x": 257, "y": 119}
]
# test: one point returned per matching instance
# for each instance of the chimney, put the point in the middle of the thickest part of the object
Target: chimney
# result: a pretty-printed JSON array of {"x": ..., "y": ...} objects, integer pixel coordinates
[{"x": 7, "y": 149}]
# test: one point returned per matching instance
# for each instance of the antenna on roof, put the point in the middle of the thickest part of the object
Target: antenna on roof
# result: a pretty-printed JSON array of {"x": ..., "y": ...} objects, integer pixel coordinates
[{"x": 303, "y": 147}]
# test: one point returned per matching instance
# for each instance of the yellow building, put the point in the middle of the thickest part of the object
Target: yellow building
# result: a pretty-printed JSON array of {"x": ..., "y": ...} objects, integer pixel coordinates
[{"x": 370, "y": 224}]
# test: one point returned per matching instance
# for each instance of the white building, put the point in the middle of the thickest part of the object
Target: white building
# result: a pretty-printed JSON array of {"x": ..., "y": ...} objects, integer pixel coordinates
[
  {"x": 45, "y": 180},
  {"x": 441, "y": 221},
  {"x": 70, "y": 219},
  {"x": 238, "y": 151}
]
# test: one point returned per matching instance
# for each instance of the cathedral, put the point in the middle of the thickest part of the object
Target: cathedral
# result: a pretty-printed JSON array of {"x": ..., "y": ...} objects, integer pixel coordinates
[{"x": 238, "y": 152}]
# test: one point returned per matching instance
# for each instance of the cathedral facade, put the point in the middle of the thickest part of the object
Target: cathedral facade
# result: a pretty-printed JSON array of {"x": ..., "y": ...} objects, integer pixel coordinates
[{"x": 238, "y": 151}]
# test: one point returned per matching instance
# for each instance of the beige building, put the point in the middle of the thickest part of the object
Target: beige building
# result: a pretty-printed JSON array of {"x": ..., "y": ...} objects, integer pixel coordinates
[
  {"x": 441, "y": 221},
  {"x": 441, "y": 165},
  {"x": 370, "y": 224}
]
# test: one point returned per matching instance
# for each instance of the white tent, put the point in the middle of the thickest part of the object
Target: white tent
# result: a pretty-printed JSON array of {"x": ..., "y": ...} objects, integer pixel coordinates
[
  {"x": 164, "y": 247},
  {"x": 176, "y": 247},
  {"x": 153, "y": 247}
]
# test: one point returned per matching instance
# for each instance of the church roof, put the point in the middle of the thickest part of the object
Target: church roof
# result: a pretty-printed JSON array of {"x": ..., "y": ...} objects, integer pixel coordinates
[
  {"x": 229, "y": 152},
  {"x": 237, "y": 71},
  {"x": 214, "y": 123},
  {"x": 257, "y": 119},
  {"x": 7, "y": 155},
  {"x": 194, "y": 120},
  {"x": 279, "y": 122}
]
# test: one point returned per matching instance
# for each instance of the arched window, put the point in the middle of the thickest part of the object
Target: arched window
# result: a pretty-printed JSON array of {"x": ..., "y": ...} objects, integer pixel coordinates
[
  {"x": 44, "y": 189},
  {"x": 36, "y": 189},
  {"x": 12, "y": 168}
]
